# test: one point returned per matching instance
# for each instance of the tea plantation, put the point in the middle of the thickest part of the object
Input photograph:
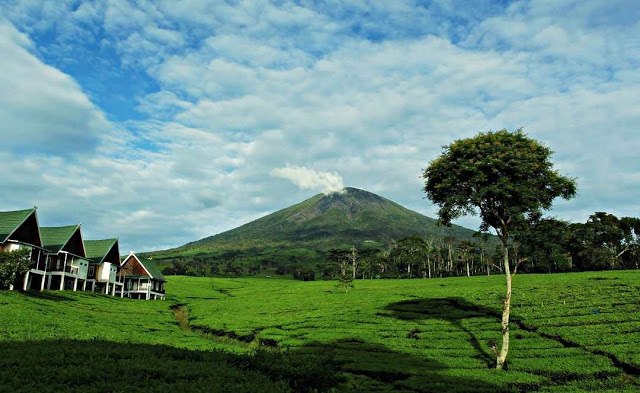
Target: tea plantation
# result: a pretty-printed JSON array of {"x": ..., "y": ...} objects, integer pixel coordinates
[{"x": 573, "y": 332}]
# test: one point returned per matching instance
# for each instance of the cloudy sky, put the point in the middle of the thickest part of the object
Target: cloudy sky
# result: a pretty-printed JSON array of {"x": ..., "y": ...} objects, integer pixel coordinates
[{"x": 163, "y": 122}]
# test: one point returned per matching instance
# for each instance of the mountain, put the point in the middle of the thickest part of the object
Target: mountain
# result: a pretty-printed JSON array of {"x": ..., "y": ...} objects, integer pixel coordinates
[{"x": 352, "y": 218}]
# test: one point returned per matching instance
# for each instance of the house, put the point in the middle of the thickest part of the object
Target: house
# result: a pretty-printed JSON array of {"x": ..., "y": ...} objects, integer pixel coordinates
[
  {"x": 104, "y": 263},
  {"x": 19, "y": 229},
  {"x": 66, "y": 255},
  {"x": 142, "y": 278},
  {"x": 61, "y": 259}
]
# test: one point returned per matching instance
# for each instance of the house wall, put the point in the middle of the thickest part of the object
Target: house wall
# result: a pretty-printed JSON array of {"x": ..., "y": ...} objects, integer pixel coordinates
[
  {"x": 113, "y": 271},
  {"x": 92, "y": 270},
  {"x": 106, "y": 272},
  {"x": 103, "y": 272},
  {"x": 83, "y": 267},
  {"x": 132, "y": 267},
  {"x": 9, "y": 247}
]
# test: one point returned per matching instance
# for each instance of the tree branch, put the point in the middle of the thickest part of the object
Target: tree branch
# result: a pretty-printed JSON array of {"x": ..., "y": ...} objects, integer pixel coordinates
[{"x": 622, "y": 252}]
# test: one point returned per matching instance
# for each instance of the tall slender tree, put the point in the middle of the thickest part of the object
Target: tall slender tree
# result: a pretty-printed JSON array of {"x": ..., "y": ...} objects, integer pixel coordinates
[{"x": 502, "y": 176}]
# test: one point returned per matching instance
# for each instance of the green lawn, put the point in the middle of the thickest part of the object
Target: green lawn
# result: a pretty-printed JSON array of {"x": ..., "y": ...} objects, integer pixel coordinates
[{"x": 571, "y": 332}]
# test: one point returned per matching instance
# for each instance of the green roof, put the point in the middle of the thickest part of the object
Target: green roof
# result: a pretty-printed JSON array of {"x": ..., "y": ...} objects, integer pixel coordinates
[
  {"x": 97, "y": 250},
  {"x": 10, "y": 221},
  {"x": 55, "y": 238},
  {"x": 153, "y": 270}
]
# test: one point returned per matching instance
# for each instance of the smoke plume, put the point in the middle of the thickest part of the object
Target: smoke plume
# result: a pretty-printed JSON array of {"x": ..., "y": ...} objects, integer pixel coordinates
[{"x": 310, "y": 179}]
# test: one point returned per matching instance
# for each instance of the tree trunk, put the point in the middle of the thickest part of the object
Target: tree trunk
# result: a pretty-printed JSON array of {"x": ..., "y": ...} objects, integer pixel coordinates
[
  {"x": 506, "y": 309},
  {"x": 353, "y": 257}
]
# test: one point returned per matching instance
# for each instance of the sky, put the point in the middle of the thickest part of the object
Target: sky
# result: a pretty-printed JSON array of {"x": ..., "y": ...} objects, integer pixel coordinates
[{"x": 163, "y": 122}]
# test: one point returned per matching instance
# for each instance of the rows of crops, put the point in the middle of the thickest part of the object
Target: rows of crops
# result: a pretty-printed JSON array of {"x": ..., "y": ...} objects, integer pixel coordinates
[{"x": 571, "y": 332}]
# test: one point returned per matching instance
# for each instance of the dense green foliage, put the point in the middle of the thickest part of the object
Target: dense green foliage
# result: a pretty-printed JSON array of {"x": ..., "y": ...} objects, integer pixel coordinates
[
  {"x": 572, "y": 332},
  {"x": 502, "y": 176},
  {"x": 12, "y": 266},
  {"x": 299, "y": 237},
  {"x": 604, "y": 241}
]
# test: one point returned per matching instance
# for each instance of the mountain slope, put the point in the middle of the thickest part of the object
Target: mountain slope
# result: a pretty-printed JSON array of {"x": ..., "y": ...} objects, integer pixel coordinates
[{"x": 323, "y": 222}]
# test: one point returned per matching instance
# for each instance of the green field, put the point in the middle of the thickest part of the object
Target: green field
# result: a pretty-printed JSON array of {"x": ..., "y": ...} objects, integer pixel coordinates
[{"x": 571, "y": 332}]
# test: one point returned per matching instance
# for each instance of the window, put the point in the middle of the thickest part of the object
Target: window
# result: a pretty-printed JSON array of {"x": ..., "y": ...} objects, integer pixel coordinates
[{"x": 92, "y": 271}]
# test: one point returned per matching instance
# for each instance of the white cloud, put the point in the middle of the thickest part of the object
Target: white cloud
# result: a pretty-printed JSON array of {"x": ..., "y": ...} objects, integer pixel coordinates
[
  {"x": 41, "y": 108},
  {"x": 367, "y": 91}
]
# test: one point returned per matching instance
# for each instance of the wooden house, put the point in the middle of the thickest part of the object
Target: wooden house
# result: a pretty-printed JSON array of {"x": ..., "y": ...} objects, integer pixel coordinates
[
  {"x": 19, "y": 229},
  {"x": 68, "y": 265},
  {"x": 142, "y": 278},
  {"x": 104, "y": 263}
]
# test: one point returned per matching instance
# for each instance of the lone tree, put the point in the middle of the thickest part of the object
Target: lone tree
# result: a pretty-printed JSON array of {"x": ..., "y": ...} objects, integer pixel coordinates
[{"x": 504, "y": 176}]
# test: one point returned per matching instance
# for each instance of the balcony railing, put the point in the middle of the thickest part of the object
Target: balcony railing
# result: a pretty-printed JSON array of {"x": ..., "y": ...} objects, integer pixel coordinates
[
  {"x": 67, "y": 269},
  {"x": 145, "y": 287},
  {"x": 39, "y": 265},
  {"x": 140, "y": 287}
]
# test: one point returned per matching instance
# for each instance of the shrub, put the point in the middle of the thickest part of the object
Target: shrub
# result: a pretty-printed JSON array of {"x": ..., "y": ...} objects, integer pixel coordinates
[{"x": 13, "y": 265}]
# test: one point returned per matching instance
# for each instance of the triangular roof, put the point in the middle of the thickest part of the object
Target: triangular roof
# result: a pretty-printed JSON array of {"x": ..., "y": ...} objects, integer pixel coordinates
[
  {"x": 66, "y": 238},
  {"x": 98, "y": 251},
  {"x": 147, "y": 265},
  {"x": 21, "y": 226}
]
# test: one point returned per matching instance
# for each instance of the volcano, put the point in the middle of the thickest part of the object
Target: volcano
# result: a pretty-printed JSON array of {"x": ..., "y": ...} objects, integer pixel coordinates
[{"x": 353, "y": 217}]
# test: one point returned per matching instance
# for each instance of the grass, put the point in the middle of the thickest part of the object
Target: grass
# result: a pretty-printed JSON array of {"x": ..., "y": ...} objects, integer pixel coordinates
[{"x": 571, "y": 332}]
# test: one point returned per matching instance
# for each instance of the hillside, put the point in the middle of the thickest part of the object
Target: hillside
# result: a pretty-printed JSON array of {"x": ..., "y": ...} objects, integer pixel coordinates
[
  {"x": 298, "y": 238},
  {"x": 355, "y": 217}
]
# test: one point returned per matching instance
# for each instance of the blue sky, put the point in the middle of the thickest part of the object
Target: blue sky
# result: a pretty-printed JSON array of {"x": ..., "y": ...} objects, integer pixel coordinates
[{"x": 164, "y": 122}]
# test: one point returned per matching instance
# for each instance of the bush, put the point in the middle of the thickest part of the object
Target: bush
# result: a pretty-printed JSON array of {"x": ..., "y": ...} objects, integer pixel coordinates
[{"x": 12, "y": 266}]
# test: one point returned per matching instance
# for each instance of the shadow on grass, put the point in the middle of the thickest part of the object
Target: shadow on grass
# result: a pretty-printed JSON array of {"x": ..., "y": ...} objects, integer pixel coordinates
[
  {"x": 453, "y": 310},
  {"x": 374, "y": 367},
  {"x": 48, "y": 295},
  {"x": 101, "y": 366}
]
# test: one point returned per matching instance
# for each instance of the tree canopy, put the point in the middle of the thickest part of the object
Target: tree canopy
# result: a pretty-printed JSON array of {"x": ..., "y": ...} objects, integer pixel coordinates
[{"x": 500, "y": 175}]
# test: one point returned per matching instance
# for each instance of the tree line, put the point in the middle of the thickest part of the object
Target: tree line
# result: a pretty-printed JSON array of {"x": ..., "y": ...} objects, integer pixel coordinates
[{"x": 542, "y": 245}]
